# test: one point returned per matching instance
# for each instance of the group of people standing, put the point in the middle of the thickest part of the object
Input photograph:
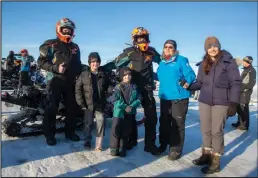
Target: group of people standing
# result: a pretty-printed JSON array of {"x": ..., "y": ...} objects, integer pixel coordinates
[{"x": 218, "y": 80}]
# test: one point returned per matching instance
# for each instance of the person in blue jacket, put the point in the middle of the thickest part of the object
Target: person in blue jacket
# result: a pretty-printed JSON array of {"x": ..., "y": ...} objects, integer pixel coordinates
[
  {"x": 174, "y": 73},
  {"x": 26, "y": 60}
]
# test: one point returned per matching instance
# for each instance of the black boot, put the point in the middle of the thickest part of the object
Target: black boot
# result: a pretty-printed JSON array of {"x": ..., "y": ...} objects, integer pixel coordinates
[
  {"x": 235, "y": 125},
  {"x": 152, "y": 149},
  {"x": 51, "y": 141},
  {"x": 73, "y": 137},
  {"x": 162, "y": 148},
  {"x": 122, "y": 153},
  {"x": 204, "y": 159},
  {"x": 214, "y": 166},
  {"x": 114, "y": 152}
]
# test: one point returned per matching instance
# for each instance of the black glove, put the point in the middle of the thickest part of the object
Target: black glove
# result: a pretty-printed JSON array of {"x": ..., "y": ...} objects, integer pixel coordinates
[{"x": 232, "y": 109}]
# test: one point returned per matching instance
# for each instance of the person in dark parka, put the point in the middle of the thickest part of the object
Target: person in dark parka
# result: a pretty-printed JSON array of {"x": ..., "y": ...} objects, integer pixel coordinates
[
  {"x": 248, "y": 78},
  {"x": 218, "y": 80}
]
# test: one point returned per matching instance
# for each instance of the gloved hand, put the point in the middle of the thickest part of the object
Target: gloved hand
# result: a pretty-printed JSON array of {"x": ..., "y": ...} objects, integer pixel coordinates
[{"x": 232, "y": 109}]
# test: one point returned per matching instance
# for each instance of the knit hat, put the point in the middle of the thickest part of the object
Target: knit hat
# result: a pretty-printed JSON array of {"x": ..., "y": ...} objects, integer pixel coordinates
[
  {"x": 172, "y": 42},
  {"x": 124, "y": 71},
  {"x": 94, "y": 56},
  {"x": 248, "y": 59},
  {"x": 211, "y": 41}
]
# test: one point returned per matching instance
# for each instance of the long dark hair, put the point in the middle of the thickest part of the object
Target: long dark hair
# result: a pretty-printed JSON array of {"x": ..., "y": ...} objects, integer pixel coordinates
[{"x": 208, "y": 62}]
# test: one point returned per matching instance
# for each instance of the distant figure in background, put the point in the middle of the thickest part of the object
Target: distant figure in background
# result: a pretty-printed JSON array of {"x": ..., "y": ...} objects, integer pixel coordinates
[
  {"x": 10, "y": 61},
  {"x": 248, "y": 78},
  {"x": 218, "y": 80},
  {"x": 25, "y": 67}
]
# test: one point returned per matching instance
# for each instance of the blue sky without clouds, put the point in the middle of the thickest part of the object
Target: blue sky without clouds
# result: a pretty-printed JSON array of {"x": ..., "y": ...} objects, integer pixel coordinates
[{"x": 105, "y": 27}]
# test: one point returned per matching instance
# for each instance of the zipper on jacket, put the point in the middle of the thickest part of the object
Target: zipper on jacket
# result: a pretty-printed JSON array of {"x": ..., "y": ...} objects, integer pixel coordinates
[{"x": 213, "y": 84}]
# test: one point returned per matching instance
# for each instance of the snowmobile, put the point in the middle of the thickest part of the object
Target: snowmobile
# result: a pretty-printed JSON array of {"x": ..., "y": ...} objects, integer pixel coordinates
[{"x": 33, "y": 100}]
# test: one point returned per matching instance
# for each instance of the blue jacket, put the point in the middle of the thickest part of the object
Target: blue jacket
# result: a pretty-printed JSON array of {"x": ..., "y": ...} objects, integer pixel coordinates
[
  {"x": 170, "y": 72},
  {"x": 25, "y": 66}
]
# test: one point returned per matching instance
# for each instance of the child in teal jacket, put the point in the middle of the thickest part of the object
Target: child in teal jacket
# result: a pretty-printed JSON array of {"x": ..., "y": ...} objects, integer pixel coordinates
[{"x": 126, "y": 99}]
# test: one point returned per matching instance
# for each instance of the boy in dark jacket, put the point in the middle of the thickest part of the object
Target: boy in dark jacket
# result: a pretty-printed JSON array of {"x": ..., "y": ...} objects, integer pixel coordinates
[
  {"x": 126, "y": 100},
  {"x": 90, "y": 91}
]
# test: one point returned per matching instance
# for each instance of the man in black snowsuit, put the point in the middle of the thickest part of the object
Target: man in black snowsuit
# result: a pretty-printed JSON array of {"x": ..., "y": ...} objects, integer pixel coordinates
[
  {"x": 139, "y": 58},
  {"x": 248, "y": 78},
  {"x": 61, "y": 58}
]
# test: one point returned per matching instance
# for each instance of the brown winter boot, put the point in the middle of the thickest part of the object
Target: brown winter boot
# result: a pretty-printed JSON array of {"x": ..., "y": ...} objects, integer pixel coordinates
[
  {"x": 205, "y": 158},
  {"x": 214, "y": 166}
]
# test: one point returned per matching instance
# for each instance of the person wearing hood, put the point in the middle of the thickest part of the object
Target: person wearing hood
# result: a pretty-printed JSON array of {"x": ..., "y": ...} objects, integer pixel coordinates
[
  {"x": 218, "y": 80},
  {"x": 174, "y": 74},
  {"x": 126, "y": 99},
  {"x": 248, "y": 78}
]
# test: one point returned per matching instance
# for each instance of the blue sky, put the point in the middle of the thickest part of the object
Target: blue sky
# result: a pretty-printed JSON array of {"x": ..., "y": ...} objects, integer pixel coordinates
[{"x": 105, "y": 27}]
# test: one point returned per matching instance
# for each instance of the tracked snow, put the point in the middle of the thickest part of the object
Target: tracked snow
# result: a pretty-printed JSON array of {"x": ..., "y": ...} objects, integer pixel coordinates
[{"x": 31, "y": 156}]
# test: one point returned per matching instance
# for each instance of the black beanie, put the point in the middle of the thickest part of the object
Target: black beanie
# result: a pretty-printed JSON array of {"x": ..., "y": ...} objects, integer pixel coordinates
[
  {"x": 123, "y": 71},
  {"x": 248, "y": 59},
  {"x": 172, "y": 42},
  {"x": 94, "y": 56}
]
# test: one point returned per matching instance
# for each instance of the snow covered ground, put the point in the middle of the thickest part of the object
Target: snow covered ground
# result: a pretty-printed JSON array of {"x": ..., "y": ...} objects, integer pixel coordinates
[{"x": 22, "y": 157}]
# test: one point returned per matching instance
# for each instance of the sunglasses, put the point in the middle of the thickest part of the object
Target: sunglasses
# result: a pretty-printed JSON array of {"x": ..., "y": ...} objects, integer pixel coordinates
[{"x": 169, "y": 47}]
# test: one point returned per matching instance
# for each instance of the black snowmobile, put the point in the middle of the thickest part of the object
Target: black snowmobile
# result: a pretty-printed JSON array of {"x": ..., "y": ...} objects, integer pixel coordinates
[{"x": 28, "y": 121}]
